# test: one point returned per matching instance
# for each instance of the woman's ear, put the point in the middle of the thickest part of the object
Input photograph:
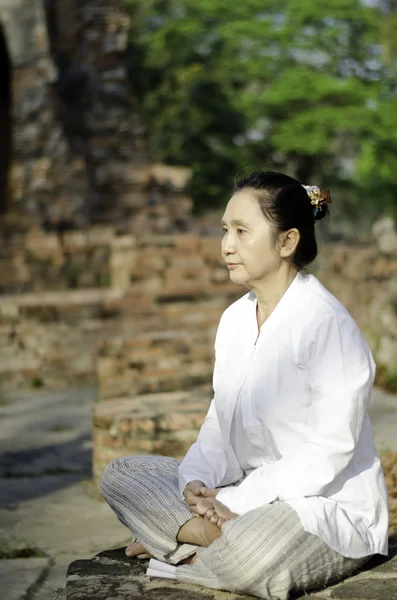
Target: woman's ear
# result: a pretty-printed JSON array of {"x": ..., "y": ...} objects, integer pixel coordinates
[{"x": 289, "y": 241}]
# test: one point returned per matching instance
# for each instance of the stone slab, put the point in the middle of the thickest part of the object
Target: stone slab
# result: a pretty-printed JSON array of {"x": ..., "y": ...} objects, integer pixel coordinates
[
  {"x": 367, "y": 589},
  {"x": 19, "y": 576},
  {"x": 54, "y": 586},
  {"x": 110, "y": 575}
]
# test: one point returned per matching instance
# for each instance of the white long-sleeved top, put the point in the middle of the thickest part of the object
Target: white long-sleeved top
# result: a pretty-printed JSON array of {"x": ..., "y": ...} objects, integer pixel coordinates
[{"x": 289, "y": 415}]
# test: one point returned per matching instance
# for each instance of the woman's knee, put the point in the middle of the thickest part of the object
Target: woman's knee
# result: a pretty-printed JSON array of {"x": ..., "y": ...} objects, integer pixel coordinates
[
  {"x": 108, "y": 477},
  {"x": 130, "y": 467}
]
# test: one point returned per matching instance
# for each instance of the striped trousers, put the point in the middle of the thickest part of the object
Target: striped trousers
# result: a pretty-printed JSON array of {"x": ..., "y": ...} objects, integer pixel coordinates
[{"x": 265, "y": 552}]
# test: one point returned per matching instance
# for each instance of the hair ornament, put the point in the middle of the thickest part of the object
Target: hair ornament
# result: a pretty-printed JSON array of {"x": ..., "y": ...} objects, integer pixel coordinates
[{"x": 317, "y": 197}]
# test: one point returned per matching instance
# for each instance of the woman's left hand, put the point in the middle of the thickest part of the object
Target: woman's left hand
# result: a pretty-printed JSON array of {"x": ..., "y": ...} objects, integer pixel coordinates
[{"x": 209, "y": 492}]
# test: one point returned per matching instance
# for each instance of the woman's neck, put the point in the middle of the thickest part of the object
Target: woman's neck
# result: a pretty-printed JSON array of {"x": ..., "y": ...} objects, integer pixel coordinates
[{"x": 269, "y": 293}]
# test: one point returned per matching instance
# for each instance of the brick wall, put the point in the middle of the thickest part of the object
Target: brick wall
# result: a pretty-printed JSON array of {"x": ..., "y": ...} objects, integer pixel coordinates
[{"x": 154, "y": 319}]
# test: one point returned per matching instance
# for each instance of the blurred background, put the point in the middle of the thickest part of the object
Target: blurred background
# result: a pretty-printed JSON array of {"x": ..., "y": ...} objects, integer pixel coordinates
[
  {"x": 123, "y": 126},
  {"x": 305, "y": 87}
]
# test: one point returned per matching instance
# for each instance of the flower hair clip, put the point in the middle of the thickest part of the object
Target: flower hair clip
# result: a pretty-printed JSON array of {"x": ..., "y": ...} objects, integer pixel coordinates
[{"x": 317, "y": 197}]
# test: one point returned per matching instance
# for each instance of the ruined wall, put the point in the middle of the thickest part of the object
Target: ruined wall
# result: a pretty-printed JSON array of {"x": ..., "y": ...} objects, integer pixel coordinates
[
  {"x": 154, "y": 316},
  {"x": 38, "y": 144},
  {"x": 79, "y": 149}
]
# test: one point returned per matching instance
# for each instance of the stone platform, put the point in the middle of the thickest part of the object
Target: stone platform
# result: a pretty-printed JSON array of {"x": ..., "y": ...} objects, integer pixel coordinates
[
  {"x": 163, "y": 424},
  {"x": 111, "y": 575}
]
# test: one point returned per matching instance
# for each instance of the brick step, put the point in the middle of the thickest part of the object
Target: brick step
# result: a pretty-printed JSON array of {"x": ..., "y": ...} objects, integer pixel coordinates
[
  {"x": 164, "y": 423},
  {"x": 171, "y": 302},
  {"x": 152, "y": 361}
]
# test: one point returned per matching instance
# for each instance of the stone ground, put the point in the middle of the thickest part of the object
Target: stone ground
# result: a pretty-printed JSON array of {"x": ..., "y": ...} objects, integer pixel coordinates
[{"x": 47, "y": 500}]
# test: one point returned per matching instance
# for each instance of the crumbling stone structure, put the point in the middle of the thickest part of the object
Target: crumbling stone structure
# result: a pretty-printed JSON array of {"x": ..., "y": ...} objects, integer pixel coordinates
[{"x": 73, "y": 147}]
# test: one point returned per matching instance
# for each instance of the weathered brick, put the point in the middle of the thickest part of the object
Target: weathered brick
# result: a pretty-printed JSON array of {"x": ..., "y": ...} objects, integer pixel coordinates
[
  {"x": 187, "y": 244},
  {"x": 136, "y": 425},
  {"x": 105, "y": 440},
  {"x": 180, "y": 420},
  {"x": 173, "y": 276}
]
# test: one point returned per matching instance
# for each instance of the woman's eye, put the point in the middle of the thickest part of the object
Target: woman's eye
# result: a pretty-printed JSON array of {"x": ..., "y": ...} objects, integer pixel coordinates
[
  {"x": 239, "y": 230},
  {"x": 224, "y": 230}
]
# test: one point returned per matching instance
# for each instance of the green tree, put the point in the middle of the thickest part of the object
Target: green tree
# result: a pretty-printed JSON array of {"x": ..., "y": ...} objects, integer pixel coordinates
[{"x": 301, "y": 86}]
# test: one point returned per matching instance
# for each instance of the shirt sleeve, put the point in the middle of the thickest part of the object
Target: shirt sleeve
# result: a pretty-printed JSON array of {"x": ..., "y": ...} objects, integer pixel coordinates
[
  {"x": 340, "y": 372},
  {"x": 206, "y": 460}
]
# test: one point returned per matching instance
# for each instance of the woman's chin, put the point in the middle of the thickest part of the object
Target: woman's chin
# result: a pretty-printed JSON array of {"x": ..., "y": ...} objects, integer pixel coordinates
[{"x": 237, "y": 277}]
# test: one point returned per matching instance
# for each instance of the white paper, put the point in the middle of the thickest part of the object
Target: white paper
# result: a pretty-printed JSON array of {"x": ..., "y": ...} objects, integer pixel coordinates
[{"x": 163, "y": 574}]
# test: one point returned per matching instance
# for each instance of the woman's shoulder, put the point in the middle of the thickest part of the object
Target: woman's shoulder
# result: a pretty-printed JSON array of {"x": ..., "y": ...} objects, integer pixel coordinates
[
  {"x": 324, "y": 324},
  {"x": 316, "y": 304}
]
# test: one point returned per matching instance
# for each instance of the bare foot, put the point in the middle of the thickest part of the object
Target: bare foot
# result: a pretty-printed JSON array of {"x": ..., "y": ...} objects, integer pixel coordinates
[
  {"x": 198, "y": 531},
  {"x": 138, "y": 550}
]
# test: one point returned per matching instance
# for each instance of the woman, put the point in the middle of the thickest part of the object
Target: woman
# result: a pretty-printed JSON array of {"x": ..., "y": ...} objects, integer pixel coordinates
[{"x": 283, "y": 491}]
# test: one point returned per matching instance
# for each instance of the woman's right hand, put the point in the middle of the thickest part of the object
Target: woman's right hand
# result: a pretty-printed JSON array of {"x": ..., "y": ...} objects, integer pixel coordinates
[{"x": 192, "y": 492}]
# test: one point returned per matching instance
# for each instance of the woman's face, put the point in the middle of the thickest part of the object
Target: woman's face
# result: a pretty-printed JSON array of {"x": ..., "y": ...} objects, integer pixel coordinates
[{"x": 248, "y": 242}]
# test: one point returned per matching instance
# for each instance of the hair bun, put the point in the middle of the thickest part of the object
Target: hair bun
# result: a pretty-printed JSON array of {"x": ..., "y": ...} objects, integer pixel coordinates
[
  {"x": 321, "y": 212},
  {"x": 319, "y": 199}
]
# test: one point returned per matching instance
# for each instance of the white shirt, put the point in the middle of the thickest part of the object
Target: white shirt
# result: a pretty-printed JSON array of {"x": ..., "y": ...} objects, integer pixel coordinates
[{"x": 289, "y": 412}]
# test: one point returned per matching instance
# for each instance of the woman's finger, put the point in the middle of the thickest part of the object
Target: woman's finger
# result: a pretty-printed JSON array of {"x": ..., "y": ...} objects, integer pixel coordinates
[
  {"x": 191, "y": 499},
  {"x": 198, "y": 510},
  {"x": 210, "y": 512},
  {"x": 208, "y": 492},
  {"x": 203, "y": 505}
]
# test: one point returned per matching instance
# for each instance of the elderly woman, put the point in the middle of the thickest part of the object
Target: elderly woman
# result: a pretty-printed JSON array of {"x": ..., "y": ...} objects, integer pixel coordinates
[{"x": 283, "y": 491}]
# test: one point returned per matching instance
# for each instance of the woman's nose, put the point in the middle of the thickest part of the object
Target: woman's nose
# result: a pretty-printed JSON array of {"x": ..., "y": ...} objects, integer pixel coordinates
[{"x": 228, "y": 246}]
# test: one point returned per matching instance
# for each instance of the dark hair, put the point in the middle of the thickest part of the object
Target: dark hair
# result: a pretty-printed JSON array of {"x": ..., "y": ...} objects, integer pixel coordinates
[{"x": 285, "y": 203}]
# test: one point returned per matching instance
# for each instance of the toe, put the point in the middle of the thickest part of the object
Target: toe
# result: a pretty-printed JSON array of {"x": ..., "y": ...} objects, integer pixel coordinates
[{"x": 134, "y": 549}]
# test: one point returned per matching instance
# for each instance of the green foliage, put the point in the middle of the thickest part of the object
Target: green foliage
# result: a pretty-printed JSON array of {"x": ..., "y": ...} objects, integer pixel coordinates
[
  {"x": 13, "y": 547},
  {"x": 302, "y": 86},
  {"x": 36, "y": 383},
  {"x": 386, "y": 379}
]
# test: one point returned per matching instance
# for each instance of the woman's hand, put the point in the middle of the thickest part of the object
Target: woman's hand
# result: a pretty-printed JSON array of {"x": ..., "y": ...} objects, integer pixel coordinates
[
  {"x": 202, "y": 501},
  {"x": 192, "y": 493},
  {"x": 221, "y": 514},
  {"x": 195, "y": 490},
  {"x": 209, "y": 492}
]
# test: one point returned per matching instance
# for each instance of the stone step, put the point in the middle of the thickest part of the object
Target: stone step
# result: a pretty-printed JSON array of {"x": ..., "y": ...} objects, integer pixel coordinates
[
  {"x": 74, "y": 305},
  {"x": 53, "y": 305},
  {"x": 156, "y": 360},
  {"x": 162, "y": 423}
]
